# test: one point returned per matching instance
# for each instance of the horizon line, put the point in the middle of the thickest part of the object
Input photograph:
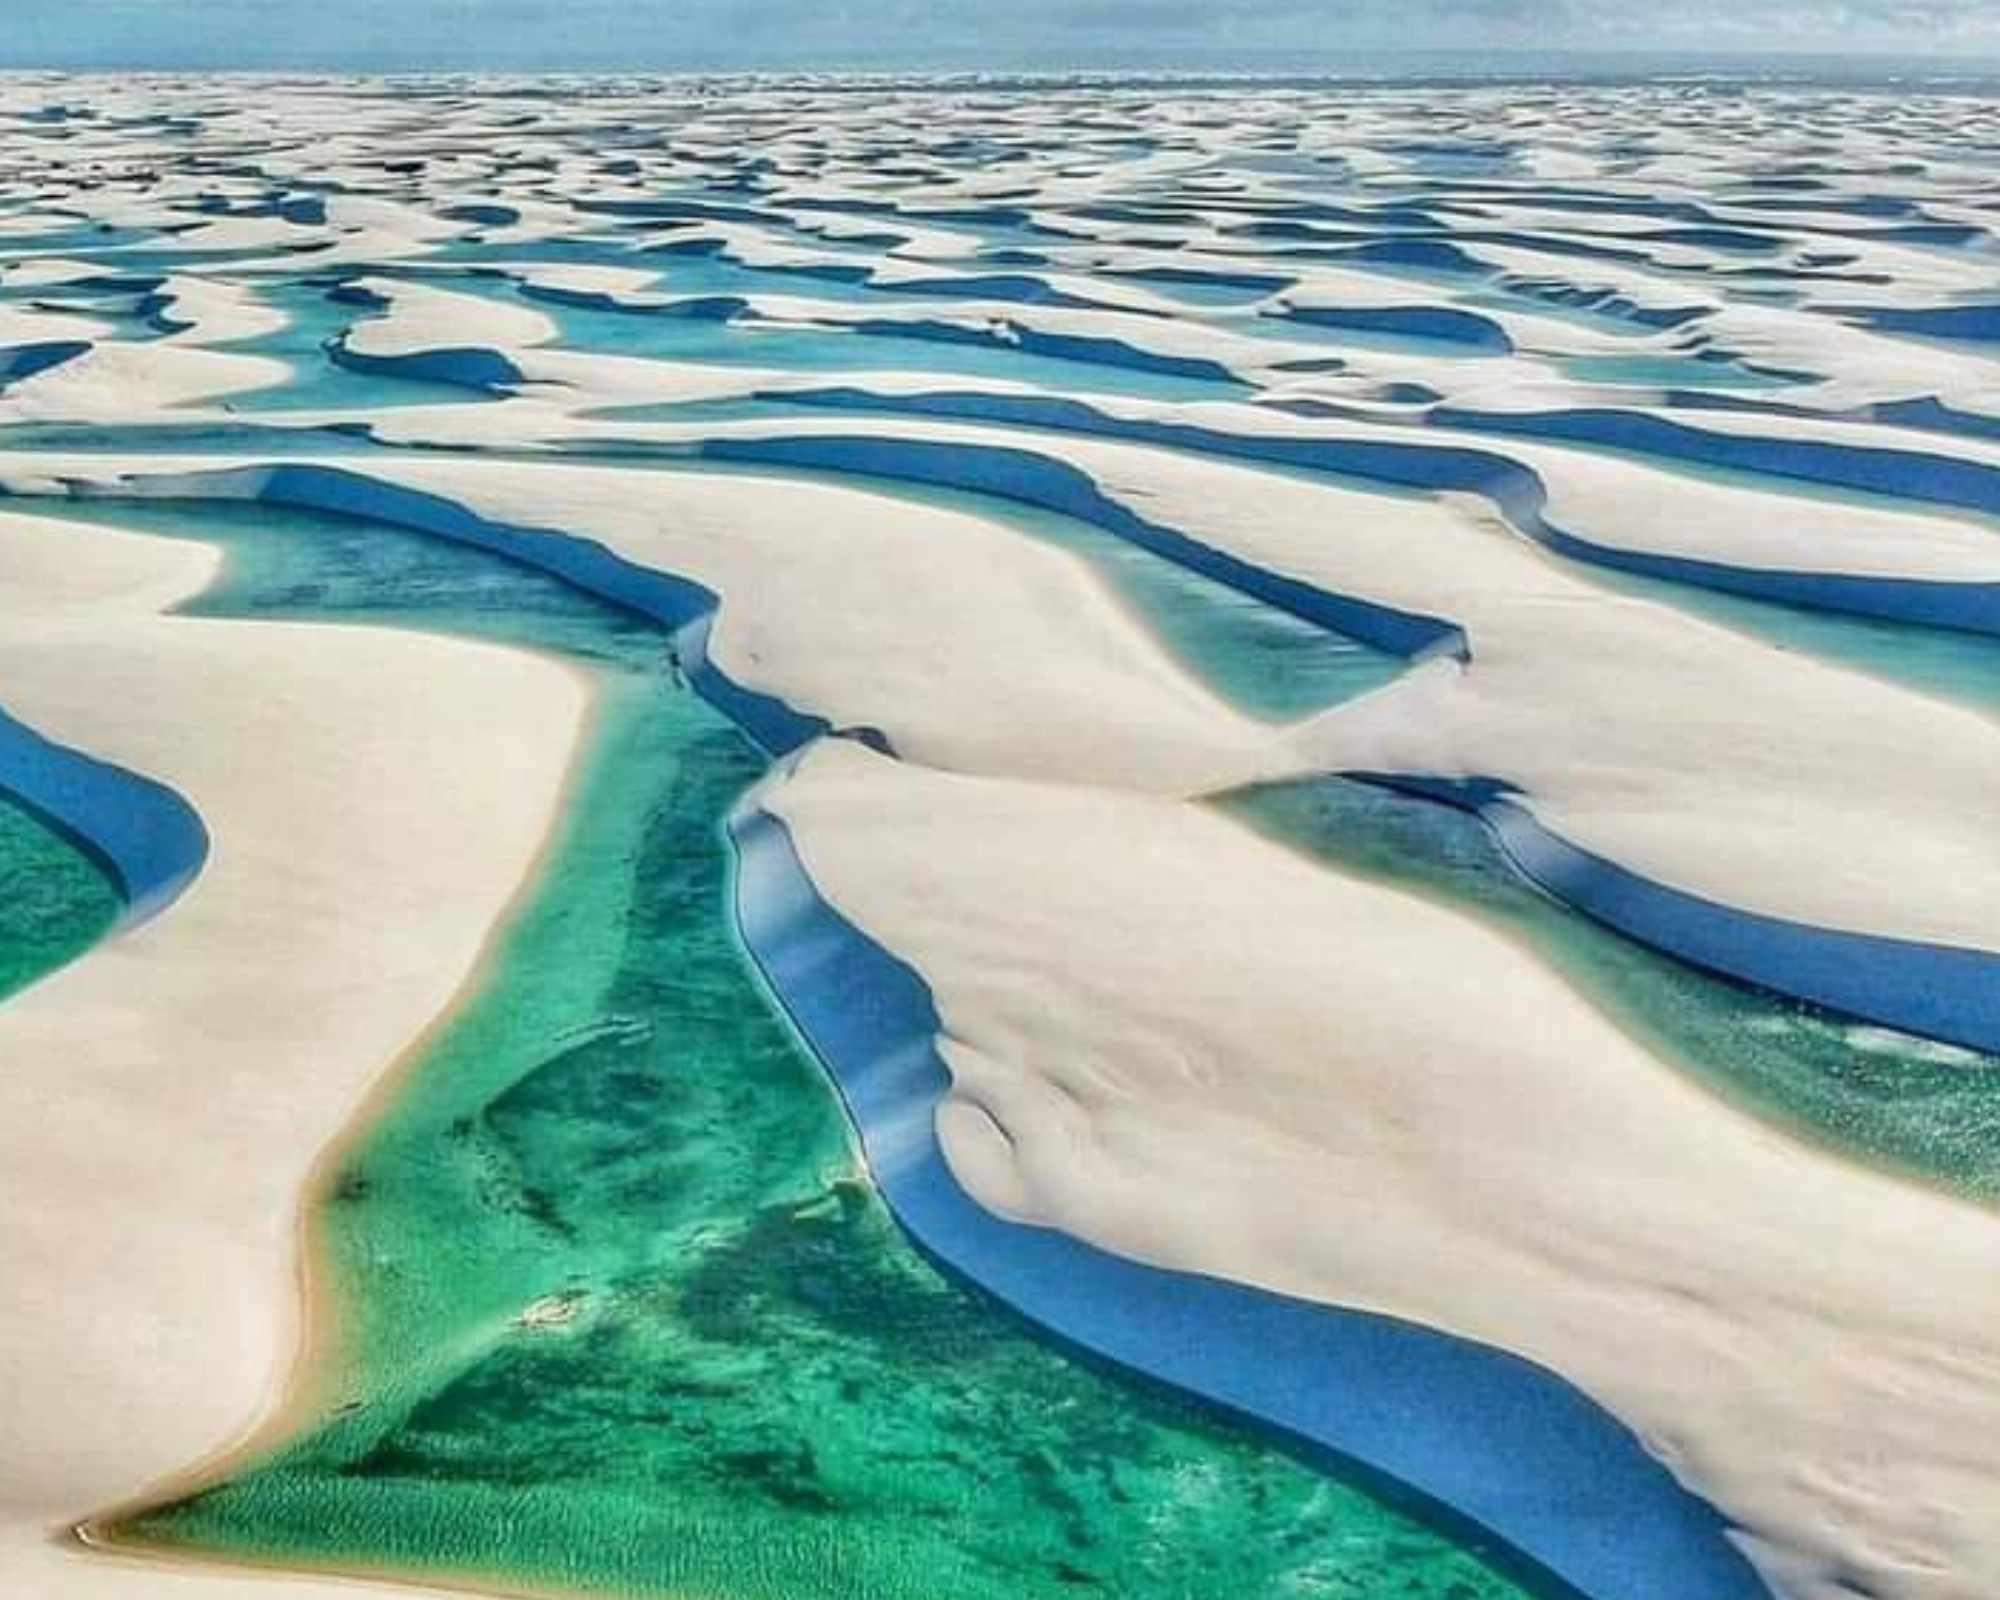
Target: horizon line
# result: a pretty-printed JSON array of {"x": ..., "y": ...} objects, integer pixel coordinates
[{"x": 1372, "y": 63}]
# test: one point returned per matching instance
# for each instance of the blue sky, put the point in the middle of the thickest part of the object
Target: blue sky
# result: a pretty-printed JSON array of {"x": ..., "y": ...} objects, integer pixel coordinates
[{"x": 697, "y": 34}]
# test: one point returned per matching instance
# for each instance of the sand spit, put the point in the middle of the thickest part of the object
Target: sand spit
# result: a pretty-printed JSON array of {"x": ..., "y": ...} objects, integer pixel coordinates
[{"x": 163, "y": 1098}]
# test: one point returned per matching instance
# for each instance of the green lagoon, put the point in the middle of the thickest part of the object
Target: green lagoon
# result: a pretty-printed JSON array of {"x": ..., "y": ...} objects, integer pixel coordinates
[
  {"x": 1913, "y": 1106},
  {"x": 56, "y": 901},
  {"x": 608, "y": 1306}
]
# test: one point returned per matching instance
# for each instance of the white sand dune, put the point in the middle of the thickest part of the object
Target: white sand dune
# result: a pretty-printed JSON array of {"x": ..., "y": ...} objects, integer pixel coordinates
[
  {"x": 1622, "y": 502},
  {"x": 117, "y": 380},
  {"x": 1169, "y": 1037},
  {"x": 419, "y": 317},
  {"x": 163, "y": 1099},
  {"x": 206, "y": 310},
  {"x": 1699, "y": 757},
  {"x": 1815, "y": 1349},
  {"x": 969, "y": 645},
  {"x": 38, "y": 325}
]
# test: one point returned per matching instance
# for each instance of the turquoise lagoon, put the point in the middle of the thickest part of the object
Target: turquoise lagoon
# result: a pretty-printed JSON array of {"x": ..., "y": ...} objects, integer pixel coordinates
[{"x": 607, "y": 1304}]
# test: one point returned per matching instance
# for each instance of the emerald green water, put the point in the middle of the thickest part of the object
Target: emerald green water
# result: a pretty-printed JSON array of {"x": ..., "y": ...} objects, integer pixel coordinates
[
  {"x": 1925, "y": 1109},
  {"x": 611, "y": 1307},
  {"x": 55, "y": 900}
]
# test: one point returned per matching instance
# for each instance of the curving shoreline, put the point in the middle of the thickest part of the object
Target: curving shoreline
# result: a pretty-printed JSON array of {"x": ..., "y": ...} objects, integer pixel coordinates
[
  {"x": 1466, "y": 1427},
  {"x": 1648, "y": 432},
  {"x": 1930, "y": 988},
  {"x": 1406, "y": 458},
  {"x": 624, "y": 581},
  {"x": 1206, "y": 1336},
  {"x": 483, "y": 1063},
  {"x": 152, "y": 841},
  {"x": 402, "y": 837}
]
